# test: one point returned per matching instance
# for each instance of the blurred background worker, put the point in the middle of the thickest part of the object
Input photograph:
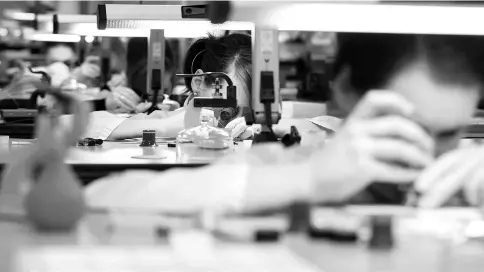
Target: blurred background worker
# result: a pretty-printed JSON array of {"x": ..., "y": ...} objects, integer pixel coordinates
[
  {"x": 89, "y": 72},
  {"x": 388, "y": 85}
]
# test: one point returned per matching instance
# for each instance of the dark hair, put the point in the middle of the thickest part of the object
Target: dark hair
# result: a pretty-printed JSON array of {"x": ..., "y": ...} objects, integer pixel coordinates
[
  {"x": 374, "y": 58},
  {"x": 216, "y": 54},
  {"x": 137, "y": 63}
]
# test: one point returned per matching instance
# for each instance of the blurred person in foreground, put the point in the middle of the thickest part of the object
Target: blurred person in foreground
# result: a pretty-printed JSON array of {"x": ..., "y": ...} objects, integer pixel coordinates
[{"x": 408, "y": 97}]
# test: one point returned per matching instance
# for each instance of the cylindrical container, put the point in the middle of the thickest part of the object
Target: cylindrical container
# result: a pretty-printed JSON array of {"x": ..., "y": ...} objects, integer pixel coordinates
[
  {"x": 149, "y": 138},
  {"x": 381, "y": 232}
]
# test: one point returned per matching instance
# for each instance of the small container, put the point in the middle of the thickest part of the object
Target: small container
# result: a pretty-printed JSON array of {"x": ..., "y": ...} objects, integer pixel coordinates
[
  {"x": 381, "y": 232},
  {"x": 149, "y": 138}
]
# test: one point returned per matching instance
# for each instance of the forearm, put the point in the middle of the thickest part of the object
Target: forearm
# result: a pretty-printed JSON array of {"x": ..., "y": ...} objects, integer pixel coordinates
[
  {"x": 226, "y": 188},
  {"x": 473, "y": 191},
  {"x": 166, "y": 127},
  {"x": 284, "y": 126},
  {"x": 275, "y": 186}
]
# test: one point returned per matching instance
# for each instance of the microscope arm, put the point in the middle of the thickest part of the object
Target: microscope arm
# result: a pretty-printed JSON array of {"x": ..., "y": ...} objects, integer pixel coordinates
[
  {"x": 208, "y": 102},
  {"x": 213, "y": 74}
]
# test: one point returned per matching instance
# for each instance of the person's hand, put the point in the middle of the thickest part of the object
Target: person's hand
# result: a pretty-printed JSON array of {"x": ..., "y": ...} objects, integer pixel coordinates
[
  {"x": 117, "y": 80},
  {"x": 378, "y": 142},
  {"x": 460, "y": 169},
  {"x": 90, "y": 67},
  {"x": 239, "y": 129},
  {"x": 122, "y": 98},
  {"x": 143, "y": 107}
]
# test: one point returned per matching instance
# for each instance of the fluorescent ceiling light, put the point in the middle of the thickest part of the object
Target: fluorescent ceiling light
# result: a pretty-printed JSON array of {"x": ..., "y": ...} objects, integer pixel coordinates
[
  {"x": 173, "y": 29},
  {"x": 158, "y": 17},
  {"x": 44, "y": 37},
  {"x": 91, "y": 30},
  {"x": 116, "y": 12},
  {"x": 76, "y": 18},
  {"x": 85, "y": 25},
  {"x": 179, "y": 25},
  {"x": 25, "y": 16}
]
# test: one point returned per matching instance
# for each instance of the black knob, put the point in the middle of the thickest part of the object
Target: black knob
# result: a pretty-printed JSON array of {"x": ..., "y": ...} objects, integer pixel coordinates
[{"x": 149, "y": 138}]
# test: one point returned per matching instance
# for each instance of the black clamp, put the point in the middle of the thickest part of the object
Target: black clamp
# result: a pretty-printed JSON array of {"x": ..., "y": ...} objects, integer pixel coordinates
[
  {"x": 292, "y": 138},
  {"x": 89, "y": 142}
]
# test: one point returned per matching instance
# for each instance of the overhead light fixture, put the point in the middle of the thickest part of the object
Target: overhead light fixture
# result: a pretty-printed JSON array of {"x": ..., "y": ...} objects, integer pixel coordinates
[
  {"x": 171, "y": 31},
  {"x": 195, "y": 18},
  {"x": 128, "y": 16},
  {"x": 310, "y": 16},
  {"x": 47, "y": 37},
  {"x": 85, "y": 25},
  {"x": 178, "y": 29},
  {"x": 370, "y": 18},
  {"x": 75, "y": 18}
]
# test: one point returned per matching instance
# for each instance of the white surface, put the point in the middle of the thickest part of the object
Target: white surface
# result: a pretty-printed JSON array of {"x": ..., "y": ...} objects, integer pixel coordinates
[
  {"x": 327, "y": 122},
  {"x": 296, "y": 109},
  {"x": 157, "y": 259}
]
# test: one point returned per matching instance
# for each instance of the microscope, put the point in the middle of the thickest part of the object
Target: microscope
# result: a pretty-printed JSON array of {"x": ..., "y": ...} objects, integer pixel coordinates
[
  {"x": 228, "y": 106},
  {"x": 266, "y": 103}
]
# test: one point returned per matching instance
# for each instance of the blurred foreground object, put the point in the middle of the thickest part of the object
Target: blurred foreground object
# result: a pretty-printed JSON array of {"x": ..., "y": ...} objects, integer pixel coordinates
[{"x": 52, "y": 196}]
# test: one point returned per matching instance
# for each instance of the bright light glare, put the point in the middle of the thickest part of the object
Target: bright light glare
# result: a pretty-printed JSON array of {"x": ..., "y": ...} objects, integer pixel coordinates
[
  {"x": 19, "y": 16},
  {"x": 89, "y": 39},
  {"x": 371, "y": 18},
  {"x": 25, "y": 16},
  {"x": 76, "y": 18},
  {"x": 3, "y": 32},
  {"x": 53, "y": 37}
]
